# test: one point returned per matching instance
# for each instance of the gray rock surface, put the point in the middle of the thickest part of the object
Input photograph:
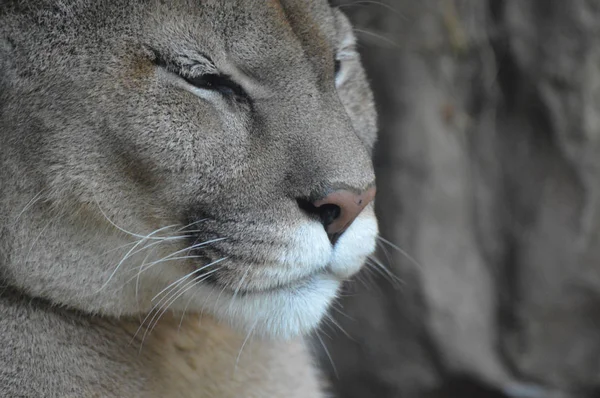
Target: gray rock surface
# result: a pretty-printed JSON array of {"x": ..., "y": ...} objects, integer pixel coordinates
[{"x": 489, "y": 182}]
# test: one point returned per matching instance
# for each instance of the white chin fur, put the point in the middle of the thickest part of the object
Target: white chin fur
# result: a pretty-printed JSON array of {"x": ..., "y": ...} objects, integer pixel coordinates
[{"x": 277, "y": 314}]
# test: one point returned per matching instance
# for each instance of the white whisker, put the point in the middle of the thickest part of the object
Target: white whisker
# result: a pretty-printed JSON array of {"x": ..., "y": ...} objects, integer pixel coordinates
[
  {"x": 339, "y": 327},
  {"x": 113, "y": 224},
  {"x": 401, "y": 251},
  {"x": 339, "y": 311},
  {"x": 37, "y": 197},
  {"x": 239, "y": 286},
  {"x": 171, "y": 299},
  {"x": 37, "y": 238},
  {"x": 185, "y": 249},
  {"x": 239, "y": 355},
  {"x": 185, "y": 309},
  {"x": 168, "y": 258},
  {"x": 165, "y": 299},
  {"x": 379, "y": 36},
  {"x": 385, "y": 272},
  {"x": 378, "y": 3},
  {"x": 188, "y": 275},
  {"x": 384, "y": 250},
  {"x": 128, "y": 255},
  {"x": 328, "y": 355},
  {"x": 137, "y": 280}
]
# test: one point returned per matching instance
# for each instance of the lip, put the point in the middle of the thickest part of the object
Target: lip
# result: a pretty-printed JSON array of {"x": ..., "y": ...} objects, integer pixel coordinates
[{"x": 288, "y": 286}]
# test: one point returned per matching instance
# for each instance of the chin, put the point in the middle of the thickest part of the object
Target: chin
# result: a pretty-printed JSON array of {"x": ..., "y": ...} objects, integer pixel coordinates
[{"x": 280, "y": 314}]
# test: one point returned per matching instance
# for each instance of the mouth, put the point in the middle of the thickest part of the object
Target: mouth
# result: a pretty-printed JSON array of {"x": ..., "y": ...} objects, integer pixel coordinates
[
  {"x": 290, "y": 286},
  {"x": 240, "y": 289},
  {"x": 244, "y": 275}
]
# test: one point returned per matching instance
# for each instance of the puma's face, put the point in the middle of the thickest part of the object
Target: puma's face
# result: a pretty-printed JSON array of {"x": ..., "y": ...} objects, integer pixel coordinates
[{"x": 205, "y": 156}]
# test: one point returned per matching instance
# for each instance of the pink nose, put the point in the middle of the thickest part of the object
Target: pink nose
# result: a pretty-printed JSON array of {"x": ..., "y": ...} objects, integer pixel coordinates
[{"x": 340, "y": 208}]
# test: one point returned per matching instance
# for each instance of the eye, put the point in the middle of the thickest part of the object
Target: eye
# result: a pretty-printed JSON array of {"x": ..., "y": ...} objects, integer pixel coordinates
[
  {"x": 337, "y": 65},
  {"x": 209, "y": 81},
  {"x": 215, "y": 82}
]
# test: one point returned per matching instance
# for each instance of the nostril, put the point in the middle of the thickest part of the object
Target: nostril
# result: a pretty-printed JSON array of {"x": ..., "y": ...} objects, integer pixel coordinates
[
  {"x": 326, "y": 213},
  {"x": 329, "y": 213},
  {"x": 338, "y": 209}
]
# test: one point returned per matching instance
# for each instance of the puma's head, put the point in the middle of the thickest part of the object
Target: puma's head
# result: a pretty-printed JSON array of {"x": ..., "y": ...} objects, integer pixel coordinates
[{"x": 201, "y": 156}]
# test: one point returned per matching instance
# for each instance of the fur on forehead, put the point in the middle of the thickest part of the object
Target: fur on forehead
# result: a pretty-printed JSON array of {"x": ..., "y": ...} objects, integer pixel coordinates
[{"x": 298, "y": 33}]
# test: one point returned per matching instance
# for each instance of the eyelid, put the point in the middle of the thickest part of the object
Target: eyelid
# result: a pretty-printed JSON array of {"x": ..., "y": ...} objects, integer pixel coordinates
[
  {"x": 217, "y": 82},
  {"x": 200, "y": 76}
]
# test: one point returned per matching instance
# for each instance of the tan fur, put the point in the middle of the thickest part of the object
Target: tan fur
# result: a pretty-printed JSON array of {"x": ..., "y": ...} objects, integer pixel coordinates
[{"x": 203, "y": 359}]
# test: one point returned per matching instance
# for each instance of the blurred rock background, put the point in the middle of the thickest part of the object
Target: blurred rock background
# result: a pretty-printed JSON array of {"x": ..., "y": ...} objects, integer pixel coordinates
[{"x": 489, "y": 185}]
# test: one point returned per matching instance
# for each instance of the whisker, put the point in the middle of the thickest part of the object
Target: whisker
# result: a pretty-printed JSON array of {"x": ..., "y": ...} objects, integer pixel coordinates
[
  {"x": 194, "y": 282},
  {"x": 37, "y": 197},
  {"x": 327, "y": 322},
  {"x": 328, "y": 316},
  {"x": 379, "y": 36},
  {"x": 335, "y": 372},
  {"x": 137, "y": 281},
  {"x": 378, "y": 3},
  {"x": 169, "y": 258},
  {"x": 158, "y": 242},
  {"x": 113, "y": 224},
  {"x": 219, "y": 297},
  {"x": 144, "y": 267},
  {"x": 339, "y": 311},
  {"x": 384, "y": 250},
  {"x": 373, "y": 267},
  {"x": 203, "y": 307},
  {"x": 188, "y": 275},
  {"x": 128, "y": 255},
  {"x": 401, "y": 251},
  {"x": 166, "y": 301},
  {"x": 186, "y": 249},
  {"x": 366, "y": 278},
  {"x": 239, "y": 286},
  {"x": 385, "y": 272},
  {"x": 37, "y": 238},
  {"x": 141, "y": 268},
  {"x": 141, "y": 241},
  {"x": 192, "y": 223},
  {"x": 114, "y": 249},
  {"x": 237, "y": 359},
  {"x": 185, "y": 309},
  {"x": 162, "y": 240}
]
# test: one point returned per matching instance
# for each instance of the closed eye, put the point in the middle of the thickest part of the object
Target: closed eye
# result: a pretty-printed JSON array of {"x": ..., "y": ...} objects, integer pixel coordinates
[
  {"x": 216, "y": 82},
  {"x": 207, "y": 81}
]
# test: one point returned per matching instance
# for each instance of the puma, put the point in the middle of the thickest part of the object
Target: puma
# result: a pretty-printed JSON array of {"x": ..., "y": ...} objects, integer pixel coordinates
[{"x": 184, "y": 186}]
